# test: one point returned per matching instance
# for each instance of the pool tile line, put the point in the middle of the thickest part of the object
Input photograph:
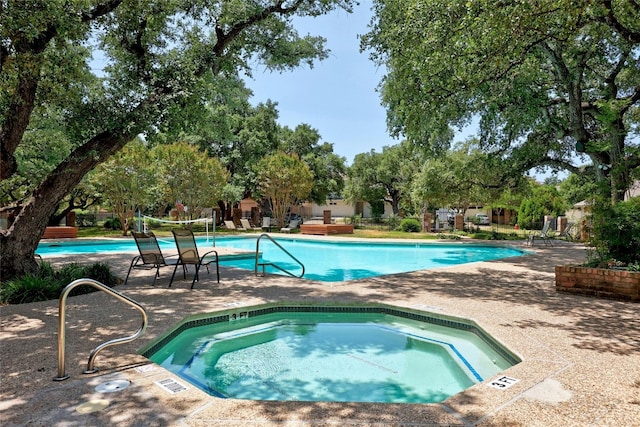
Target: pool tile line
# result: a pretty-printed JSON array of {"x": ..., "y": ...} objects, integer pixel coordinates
[{"x": 273, "y": 309}]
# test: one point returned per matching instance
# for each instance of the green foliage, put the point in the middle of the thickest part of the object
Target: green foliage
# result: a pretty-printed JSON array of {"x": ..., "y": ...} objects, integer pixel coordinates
[
  {"x": 522, "y": 67},
  {"x": 447, "y": 236},
  {"x": 377, "y": 210},
  {"x": 410, "y": 225},
  {"x": 86, "y": 219},
  {"x": 464, "y": 176},
  {"x": 578, "y": 187},
  {"x": 356, "y": 220},
  {"x": 616, "y": 231},
  {"x": 112, "y": 224},
  {"x": 128, "y": 181},
  {"x": 545, "y": 200},
  {"x": 393, "y": 221},
  {"x": 47, "y": 283},
  {"x": 284, "y": 181},
  {"x": 189, "y": 176},
  {"x": 383, "y": 176}
]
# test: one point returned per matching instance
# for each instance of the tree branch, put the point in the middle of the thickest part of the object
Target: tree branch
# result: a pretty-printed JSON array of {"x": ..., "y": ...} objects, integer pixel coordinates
[
  {"x": 223, "y": 39},
  {"x": 99, "y": 10},
  {"x": 610, "y": 19}
]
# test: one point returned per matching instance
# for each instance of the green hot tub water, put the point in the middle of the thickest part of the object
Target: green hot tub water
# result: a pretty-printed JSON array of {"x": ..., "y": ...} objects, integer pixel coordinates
[{"x": 340, "y": 357}]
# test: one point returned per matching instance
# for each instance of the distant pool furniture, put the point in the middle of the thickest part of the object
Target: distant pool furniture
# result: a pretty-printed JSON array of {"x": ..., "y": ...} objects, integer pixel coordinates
[
  {"x": 232, "y": 226},
  {"x": 188, "y": 255},
  {"x": 326, "y": 229},
  {"x": 150, "y": 257},
  {"x": 567, "y": 231},
  {"x": 541, "y": 235},
  {"x": 247, "y": 225},
  {"x": 60, "y": 232},
  {"x": 266, "y": 223},
  {"x": 292, "y": 226}
]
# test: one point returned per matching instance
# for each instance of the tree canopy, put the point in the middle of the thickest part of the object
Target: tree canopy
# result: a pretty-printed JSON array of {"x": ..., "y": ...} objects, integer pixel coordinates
[
  {"x": 550, "y": 81},
  {"x": 284, "y": 181},
  {"x": 384, "y": 176},
  {"x": 156, "y": 56},
  {"x": 127, "y": 181}
]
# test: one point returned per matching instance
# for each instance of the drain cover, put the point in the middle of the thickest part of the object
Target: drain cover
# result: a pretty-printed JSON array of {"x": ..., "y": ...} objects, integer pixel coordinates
[{"x": 112, "y": 386}]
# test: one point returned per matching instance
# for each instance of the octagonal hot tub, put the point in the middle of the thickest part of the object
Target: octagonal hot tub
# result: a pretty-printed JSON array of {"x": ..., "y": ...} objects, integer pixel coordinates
[{"x": 356, "y": 353}]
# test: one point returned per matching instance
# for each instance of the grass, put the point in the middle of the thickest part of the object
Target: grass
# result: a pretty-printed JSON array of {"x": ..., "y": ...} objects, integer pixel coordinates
[
  {"x": 493, "y": 232},
  {"x": 390, "y": 234}
]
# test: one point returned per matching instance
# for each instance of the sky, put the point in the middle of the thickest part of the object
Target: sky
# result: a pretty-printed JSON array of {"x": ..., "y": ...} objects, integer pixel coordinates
[{"x": 338, "y": 96}]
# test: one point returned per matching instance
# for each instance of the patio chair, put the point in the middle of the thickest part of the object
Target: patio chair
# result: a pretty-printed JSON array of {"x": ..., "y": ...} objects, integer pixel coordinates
[
  {"x": 247, "y": 225},
  {"x": 292, "y": 226},
  {"x": 567, "y": 231},
  {"x": 188, "y": 255},
  {"x": 542, "y": 235},
  {"x": 232, "y": 226},
  {"x": 266, "y": 223},
  {"x": 150, "y": 255}
]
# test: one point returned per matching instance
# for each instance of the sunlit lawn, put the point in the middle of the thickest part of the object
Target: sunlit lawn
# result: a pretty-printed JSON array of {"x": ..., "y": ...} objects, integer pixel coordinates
[{"x": 375, "y": 232}]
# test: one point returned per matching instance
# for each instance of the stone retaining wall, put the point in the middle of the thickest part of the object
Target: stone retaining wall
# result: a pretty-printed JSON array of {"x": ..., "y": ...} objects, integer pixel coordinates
[{"x": 600, "y": 282}]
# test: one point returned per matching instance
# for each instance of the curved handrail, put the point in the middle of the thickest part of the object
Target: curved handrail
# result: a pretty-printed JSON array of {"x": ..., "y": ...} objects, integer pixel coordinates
[
  {"x": 272, "y": 264},
  {"x": 62, "y": 309}
]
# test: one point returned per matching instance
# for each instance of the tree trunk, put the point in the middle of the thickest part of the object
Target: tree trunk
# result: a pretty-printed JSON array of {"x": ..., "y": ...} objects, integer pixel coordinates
[{"x": 20, "y": 241}]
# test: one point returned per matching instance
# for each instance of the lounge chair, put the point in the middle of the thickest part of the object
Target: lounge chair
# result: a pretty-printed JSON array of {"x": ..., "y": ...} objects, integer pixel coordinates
[
  {"x": 266, "y": 223},
  {"x": 232, "y": 226},
  {"x": 542, "y": 235},
  {"x": 567, "y": 231},
  {"x": 292, "y": 226},
  {"x": 247, "y": 226},
  {"x": 188, "y": 255},
  {"x": 150, "y": 255}
]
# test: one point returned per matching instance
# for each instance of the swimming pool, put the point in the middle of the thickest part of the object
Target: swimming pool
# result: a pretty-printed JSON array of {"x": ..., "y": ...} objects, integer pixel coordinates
[
  {"x": 328, "y": 261},
  {"x": 372, "y": 353}
]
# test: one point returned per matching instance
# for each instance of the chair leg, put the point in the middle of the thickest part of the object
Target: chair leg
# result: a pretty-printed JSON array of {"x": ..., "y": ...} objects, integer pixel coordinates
[
  {"x": 133, "y": 261},
  {"x": 195, "y": 276},
  {"x": 155, "y": 277},
  {"x": 174, "y": 273},
  {"x": 218, "y": 270}
]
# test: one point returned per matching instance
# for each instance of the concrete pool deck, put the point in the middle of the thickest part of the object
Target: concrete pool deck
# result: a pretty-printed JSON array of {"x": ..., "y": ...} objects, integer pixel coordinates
[{"x": 581, "y": 356}]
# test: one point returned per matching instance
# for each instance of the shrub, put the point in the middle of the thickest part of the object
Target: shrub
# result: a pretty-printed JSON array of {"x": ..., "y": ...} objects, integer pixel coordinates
[
  {"x": 410, "y": 225},
  {"x": 393, "y": 221},
  {"x": 616, "y": 231},
  {"x": 444, "y": 236},
  {"x": 86, "y": 220},
  {"x": 29, "y": 288},
  {"x": 113, "y": 224},
  {"x": 377, "y": 210},
  {"x": 47, "y": 283}
]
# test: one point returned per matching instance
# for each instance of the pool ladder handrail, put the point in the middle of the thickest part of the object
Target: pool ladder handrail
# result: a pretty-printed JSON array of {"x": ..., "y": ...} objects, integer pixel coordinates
[
  {"x": 265, "y": 264},
  {"x": 62, "y": 324}
]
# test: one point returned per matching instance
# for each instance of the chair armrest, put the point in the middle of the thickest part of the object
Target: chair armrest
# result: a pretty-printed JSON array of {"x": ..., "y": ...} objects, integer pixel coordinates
[{"x": 210, "y": 252}]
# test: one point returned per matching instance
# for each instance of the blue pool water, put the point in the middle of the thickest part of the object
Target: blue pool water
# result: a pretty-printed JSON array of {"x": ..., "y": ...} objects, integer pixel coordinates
[
  {"x": 325, "y": 261},
  {"x": 331, "y": 356}
]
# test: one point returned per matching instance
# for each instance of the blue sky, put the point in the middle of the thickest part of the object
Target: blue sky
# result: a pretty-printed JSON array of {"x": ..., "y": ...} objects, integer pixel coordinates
[{"x": 337, "y": 96}]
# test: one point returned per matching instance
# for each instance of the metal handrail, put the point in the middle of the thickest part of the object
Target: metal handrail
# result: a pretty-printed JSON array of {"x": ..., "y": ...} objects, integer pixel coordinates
[
  {"x": 272, "y": 264},
  {"x": 62, "y": 324}
]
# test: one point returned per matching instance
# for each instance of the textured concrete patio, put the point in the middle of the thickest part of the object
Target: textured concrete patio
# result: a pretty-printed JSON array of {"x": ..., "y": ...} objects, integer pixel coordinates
[{"x": 580, "y": 356}]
